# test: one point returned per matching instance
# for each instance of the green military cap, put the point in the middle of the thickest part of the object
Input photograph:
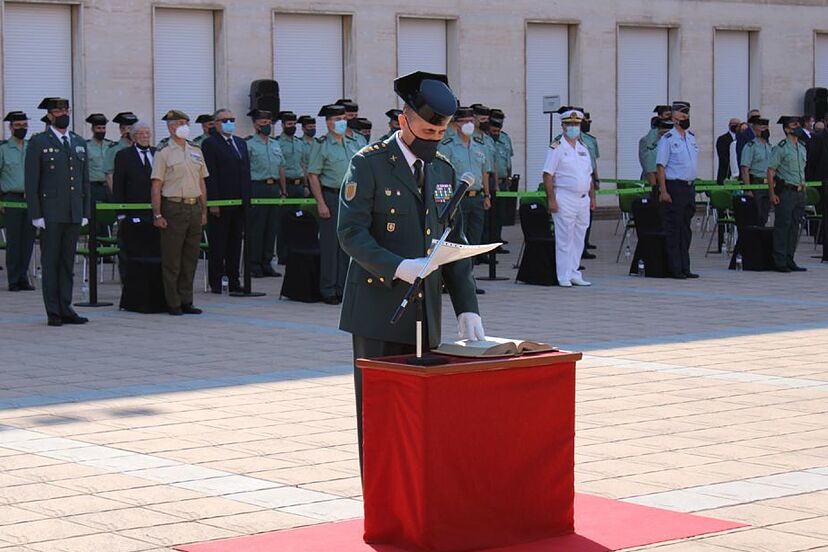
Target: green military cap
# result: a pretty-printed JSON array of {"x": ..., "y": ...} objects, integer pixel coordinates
[
  {"x": 331, "y": 110},
  {"x": 257, "y": 114},
  {"x": 680, "y": 107},
  {"x": 53, "y": 103},
  {"x": 175, "y": 115},
  {"x": 429, "y": 95},
  {"x": 480, "y": 109},
  {"x": 125, "y": 118},
  {"x": 287, "y": 116},
  {"x": 306, "y": 120},
  {"x": 350, "y": 105},
  {"x": 360, "y": 123},
  {"x": 97, "y": 119},
  {"x": 497, "y": 114},
  {"x": 392, "y": 114},
  {"x": 13, "y": 116},
  {"x": 463, "y": 113},
  {"x": 204, "y": 118},
  {"x": 496, "y": 123},
  {"x": 45, "y": 119}
]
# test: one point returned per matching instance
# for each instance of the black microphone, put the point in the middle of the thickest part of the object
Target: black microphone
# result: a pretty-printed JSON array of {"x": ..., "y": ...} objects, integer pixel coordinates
[{"x": 466, "y": 182}]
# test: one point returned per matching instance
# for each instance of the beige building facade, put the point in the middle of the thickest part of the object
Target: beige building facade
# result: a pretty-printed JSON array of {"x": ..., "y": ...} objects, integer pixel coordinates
[{"x": 617, "y": 59}]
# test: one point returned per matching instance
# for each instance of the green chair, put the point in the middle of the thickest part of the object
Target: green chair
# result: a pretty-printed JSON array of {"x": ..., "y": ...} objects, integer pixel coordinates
[
  {"x": 103, "y": 252},
  {"x": 108, "y": 218},
  {"x": 721, "y": 203},
  {"x": 812, "y": 213}
]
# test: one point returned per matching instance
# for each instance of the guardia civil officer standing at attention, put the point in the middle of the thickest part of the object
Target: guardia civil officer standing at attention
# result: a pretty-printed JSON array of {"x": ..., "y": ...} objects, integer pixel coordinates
[
  {"x": 308, "y": 132},
  {"x": 20, "y": 234},
  {"x": 267, "y": 174},
  {"x": 179, "y": 209},
  {"x": 59, "y": 202},
  {"x": 754, "y": 166},
  {"x": 327, "y": 165},
  {"x": 677, "y": 161},
  {"x": 97, "y": 148},
  {"x": 786, "y": 188},
  {"x": 295, "y": 181},
  {"x": 389, "y": 209},
  {"x": 567, "y": 177}
]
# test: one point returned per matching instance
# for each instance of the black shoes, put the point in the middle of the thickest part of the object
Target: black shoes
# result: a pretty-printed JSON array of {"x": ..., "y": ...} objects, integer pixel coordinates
[
  {"x": 691, "y": 275},
  {"x": 480, "y": 291},
  {"x": 588, "y": 255},
  {"x": 332, "y": 300},
  {"x": 55, "y": 321},
  {"x": 175, "y": 311},
  {"x": 25, "y": 286},
  {"x": 590, "y": 246},
  {"x": 782, "y": 269},
  {"x": 190, "y": 309},
  {"x": 75, "y": 319},
  {"x": 678, "y": 276}
]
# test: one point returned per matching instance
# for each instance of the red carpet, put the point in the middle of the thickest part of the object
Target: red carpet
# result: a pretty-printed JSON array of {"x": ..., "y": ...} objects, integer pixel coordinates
[{"x": 601, "y": 525}]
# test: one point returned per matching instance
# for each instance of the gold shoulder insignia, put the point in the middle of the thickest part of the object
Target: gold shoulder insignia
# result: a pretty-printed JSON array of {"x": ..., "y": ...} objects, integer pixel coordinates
[{"x": 555, "y": 144}]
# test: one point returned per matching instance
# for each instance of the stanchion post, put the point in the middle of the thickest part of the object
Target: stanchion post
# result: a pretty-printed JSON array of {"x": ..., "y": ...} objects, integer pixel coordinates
[
  {"x": 247, "y": 278},
  {"x": 92, "y": 274},
  {"x": 492, "y": 237}
]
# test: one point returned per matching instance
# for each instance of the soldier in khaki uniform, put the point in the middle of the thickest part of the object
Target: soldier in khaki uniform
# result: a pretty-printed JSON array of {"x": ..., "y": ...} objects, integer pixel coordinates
[{"x": 179, "y": 208}]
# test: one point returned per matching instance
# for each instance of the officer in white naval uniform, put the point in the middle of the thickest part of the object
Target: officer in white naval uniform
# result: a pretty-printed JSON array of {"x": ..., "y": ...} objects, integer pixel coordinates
[{"x": 567, "y": 177}]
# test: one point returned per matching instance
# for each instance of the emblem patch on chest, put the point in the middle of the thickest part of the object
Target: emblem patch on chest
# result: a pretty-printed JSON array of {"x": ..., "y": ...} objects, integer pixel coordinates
[
  {"x": 350, "y": 191},
  {"x": 391, "y": 226},
  {"x": 442, "y": 193}
]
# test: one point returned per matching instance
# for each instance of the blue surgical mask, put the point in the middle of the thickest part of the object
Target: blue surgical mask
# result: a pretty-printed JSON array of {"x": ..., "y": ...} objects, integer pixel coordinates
[
  {"x": 573, "y": 132},
  {"x": 340, "y": 126},
  {"x": 228, "y": 127}
]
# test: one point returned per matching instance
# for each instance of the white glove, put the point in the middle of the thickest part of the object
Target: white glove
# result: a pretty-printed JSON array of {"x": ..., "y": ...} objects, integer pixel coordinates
[
  {"x": 470, "y": 326},
  {"x": 409, "y": 269},
  {"x": 39, "y": 223},
  {"x": 84, "y": 221}
]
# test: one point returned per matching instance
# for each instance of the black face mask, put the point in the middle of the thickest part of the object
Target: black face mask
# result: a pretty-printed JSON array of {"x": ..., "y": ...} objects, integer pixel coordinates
[
  {"x": 586, "y": 126},
  {"x": 685, "y": 124},
  {"x": 61, "y": 122},
  {"x": 765, "y": 134},
  {"x": 265, "y": 130},
  {"x": 290, "y": 131},
  {"x": 99, "y": 136},
  {"x": 20, "y": 133},
  {"x": 485, "y": 126},
  {"x": 309, "y": 132},
  {"x": 424, "y": 149}
]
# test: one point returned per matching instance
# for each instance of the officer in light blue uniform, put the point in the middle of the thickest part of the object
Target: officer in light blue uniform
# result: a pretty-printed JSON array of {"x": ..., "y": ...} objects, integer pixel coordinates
[{"x": 677, "y": 166}]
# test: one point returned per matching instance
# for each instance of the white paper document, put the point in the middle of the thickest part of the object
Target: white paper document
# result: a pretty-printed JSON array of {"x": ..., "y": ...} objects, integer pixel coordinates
[{"x": 450, "y": 251}]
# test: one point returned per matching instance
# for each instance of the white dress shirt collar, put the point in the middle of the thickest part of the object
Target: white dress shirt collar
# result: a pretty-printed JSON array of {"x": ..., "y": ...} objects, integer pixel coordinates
[
  {"x": 58, "y": 134},
  {"x": 410, "y": 158}
]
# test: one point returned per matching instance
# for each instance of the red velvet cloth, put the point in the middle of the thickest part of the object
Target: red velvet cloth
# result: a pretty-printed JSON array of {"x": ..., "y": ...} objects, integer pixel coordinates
[{"x": 471, "y": 460}]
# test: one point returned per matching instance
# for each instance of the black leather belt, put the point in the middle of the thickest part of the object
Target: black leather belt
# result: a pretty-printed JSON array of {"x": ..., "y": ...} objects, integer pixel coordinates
[
  {"x": 674, "y": 181},
  {"x": 790, "y": 187},
  {"x": 12, "y": 196},
  {"x": 98, "y": 182}
]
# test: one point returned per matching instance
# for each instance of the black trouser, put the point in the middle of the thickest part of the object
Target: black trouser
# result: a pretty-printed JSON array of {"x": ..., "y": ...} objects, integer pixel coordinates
[
  {"x": 224, "y": 233},
  {"x": 295, "y": 189},
  {"x": 588, "y": 230},
  {"x": 762, "y": 199},
  {"x": 262, "y": 227},
  {"x": 333, "y": 261},
  {"x": 824, "y": 220},
  {"x": 100, "y": 194},
  {"x": 58, "y": 243},
  {"x": 678, "y": 218},
  {"x": 374, "y": 348},
  {"x": 786, "y": 221},
  {"x": 20, "y": 237}
]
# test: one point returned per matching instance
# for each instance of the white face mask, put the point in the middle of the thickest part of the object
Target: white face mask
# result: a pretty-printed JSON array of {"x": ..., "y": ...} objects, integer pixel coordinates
[
  {"x": 183, "y": 132},
  {"x": 467, "y": 129}
]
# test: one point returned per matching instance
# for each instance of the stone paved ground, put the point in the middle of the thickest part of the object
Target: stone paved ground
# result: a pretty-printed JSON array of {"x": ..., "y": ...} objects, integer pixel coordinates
[{"x": 138, "y": 432}]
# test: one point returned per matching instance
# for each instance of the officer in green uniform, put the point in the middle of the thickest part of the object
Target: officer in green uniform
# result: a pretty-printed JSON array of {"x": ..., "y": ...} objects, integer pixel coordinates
[
  {"x": 308, "y": 133},
  {"x": 786, "y": 188},
  {"x": 648, "y": 144},
  {"x": 351, "y": 113},
  {"x": 754, "y": 166},
  {"x": 59, "y": 202},
  {"x": 97, "y": 147},
  {"x": 503, "y": 171},
  {"x": 207, "y": 125},
  {"x": 393, "y": 123},
  {"x": 481, "y": 132},
  {"x": 20, "y": 234},
  {"x": 361, "y": 128},
  {"x": 327, "y": 165},
  {"x": 125, "y": 120},
  {"x": 296, "y": 183},
  {"x": 267, "y": 174},
  {"x": 389, "y": 210},
  {"x": 591, "y": 143},
  {"x": 468, "y": 153}
]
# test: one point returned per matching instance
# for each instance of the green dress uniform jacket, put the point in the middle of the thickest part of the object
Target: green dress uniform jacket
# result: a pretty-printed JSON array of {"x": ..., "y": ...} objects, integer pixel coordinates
[
  {"x": 503, "y": 156},
  {"x": 97, "y": 156},
  {"x": 265, "y": 159},
  {"x": 789, "y": 159},
  {"x": 384, "y": 219},
  {"x": 57, "y": 181}
]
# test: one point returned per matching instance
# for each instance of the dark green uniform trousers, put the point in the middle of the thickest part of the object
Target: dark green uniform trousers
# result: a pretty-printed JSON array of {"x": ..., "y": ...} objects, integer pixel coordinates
[
  {"x": 180, "y": 247},
  {"x": 473, "y": 214},
  {"x": 788, "y": 216},
  {"x": 295, "y": 189},
  {"x": 333, "y": 261},
  {"x": 20, "y": 237},
  {"x": 263, "y": 225},
  {"x": 100, "y": 194},
  {"x": 58, "y": 243}
]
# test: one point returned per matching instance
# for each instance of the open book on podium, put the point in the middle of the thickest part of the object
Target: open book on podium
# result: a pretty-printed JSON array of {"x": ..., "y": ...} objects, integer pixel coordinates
[{"x": 492, "y": 347}]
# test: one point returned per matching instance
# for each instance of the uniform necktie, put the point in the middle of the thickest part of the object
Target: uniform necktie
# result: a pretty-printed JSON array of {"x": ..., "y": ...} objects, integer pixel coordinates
[
  {"x": 65, "y": 142},
  {"x": 418, "y": 174},
  {"x": 232, "y": 144}
]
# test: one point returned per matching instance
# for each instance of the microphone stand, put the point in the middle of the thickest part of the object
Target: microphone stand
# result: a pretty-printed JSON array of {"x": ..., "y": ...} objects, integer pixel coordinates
[{"x": 414, "y": 294}]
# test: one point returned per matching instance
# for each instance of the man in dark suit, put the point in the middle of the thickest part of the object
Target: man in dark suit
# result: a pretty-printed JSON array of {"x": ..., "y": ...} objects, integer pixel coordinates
[
  {"x": 59, "y": 201},
  {"x": 131, "y": 183},
  {"x": 723, "y": 151},
  {"x": 228, "y": 163},
  {"x": 817, "y": 169}
]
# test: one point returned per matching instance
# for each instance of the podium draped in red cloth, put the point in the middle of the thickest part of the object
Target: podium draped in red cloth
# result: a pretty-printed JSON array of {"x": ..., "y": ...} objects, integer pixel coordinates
[{"x": 470, "y": 455}]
